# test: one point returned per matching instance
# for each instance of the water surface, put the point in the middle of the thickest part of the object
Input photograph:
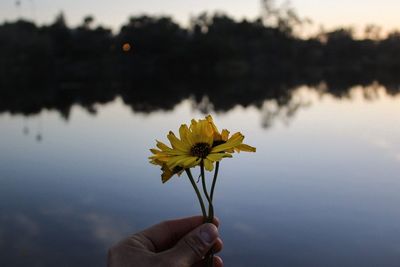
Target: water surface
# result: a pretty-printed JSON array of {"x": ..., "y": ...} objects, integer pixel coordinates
[{"x": 322, "y": 189}]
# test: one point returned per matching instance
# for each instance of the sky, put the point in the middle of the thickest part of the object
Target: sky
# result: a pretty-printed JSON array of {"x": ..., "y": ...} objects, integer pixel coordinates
[{"x": 330, "y": 13}]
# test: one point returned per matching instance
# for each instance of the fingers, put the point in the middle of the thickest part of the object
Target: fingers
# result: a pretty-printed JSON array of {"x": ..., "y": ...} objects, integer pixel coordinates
[
  {"x": 166, "y": 234},
  {"x": 195, "y": 245},
  {"x": 218, "y": 245},
  {"x": 217, "y": 260},
  {"x": 217, "y": 263}
]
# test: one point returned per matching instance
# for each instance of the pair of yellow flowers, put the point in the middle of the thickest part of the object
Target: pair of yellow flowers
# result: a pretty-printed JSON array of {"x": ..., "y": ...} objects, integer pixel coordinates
[{"x": 198, "y": 144}]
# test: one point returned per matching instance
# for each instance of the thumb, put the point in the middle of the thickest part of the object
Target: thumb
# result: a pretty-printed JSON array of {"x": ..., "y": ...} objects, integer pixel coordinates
[{"x": 195, "y": 245}]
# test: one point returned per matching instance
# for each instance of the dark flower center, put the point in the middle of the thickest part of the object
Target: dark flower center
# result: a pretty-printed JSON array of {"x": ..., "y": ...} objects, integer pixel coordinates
[{"x": 200, "y": 150}]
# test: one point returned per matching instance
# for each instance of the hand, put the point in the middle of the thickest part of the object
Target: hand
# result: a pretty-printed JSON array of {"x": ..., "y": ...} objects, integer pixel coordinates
[{"x": 176, "y": 243}]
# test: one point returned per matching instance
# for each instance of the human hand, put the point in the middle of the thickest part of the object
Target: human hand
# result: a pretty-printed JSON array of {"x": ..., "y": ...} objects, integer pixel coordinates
[{"x": 175, "y": 243}]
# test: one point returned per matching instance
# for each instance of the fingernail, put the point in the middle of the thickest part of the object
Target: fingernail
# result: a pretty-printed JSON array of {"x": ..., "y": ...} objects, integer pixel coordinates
[{"x": 208, "y": 233}]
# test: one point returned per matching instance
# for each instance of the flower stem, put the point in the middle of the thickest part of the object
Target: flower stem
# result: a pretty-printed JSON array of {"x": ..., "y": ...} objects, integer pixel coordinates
[
  {"x": 210, "y": 205},
  {"x": 209, "y": 257},
  {"x": 214, "y": 180},
  {"x": 203, "y": 209}
]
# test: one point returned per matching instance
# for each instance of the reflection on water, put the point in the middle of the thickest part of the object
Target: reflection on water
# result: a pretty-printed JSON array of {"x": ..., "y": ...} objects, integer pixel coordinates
[
  {"x": 160, "y": 94},
  {"x": 322, "y": 189}
]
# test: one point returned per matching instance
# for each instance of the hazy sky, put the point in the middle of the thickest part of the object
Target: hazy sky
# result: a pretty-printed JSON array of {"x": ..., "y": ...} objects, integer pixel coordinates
[{"x": 330, "y": 13}]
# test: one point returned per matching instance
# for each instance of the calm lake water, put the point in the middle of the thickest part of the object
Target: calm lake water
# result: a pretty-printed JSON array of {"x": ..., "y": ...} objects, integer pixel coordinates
[{"x": 323, "y": 188}]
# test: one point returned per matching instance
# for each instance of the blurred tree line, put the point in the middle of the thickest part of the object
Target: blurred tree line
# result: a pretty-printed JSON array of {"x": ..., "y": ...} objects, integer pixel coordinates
[{"x": 153, "y": 62}]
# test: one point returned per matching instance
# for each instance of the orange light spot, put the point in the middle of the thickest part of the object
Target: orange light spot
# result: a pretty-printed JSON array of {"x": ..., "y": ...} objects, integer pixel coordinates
[{"x": 126, "y": 47}]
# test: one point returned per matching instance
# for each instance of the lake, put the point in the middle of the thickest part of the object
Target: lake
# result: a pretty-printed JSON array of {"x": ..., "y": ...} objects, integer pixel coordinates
[{"x": 322, "y": 189}]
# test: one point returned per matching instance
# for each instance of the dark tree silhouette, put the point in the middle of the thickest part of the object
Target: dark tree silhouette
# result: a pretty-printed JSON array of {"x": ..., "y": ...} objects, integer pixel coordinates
[{"x": 153, "y": 62}]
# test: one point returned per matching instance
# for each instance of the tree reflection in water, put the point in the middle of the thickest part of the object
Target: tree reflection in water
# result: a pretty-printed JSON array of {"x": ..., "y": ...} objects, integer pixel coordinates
[{"x": 275, "y": 102}]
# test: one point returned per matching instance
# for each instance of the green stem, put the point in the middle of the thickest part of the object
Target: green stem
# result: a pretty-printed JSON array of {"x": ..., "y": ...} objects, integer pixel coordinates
[
  {"x": 209, "y": 257},
  {"x": 214, "y": 180},
  {"x": 210, "y": 205},
  {"x": 203, "y": 209}
]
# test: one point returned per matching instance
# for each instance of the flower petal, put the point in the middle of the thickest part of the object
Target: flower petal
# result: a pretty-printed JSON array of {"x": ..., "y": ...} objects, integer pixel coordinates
[
  {"x": 224, "y": 134},
  {"x": 246, "y": 148},
  {"x": 183, "y": 161},
  {"x": 183, "y": 134},
  {"x": 208, "y": 164},
  {"x": 191, "y": 162},
  {"x": 218, "y": 156},
  {"x": 163, "y": 146},
  {"x": 216, "y": 134},
  {"x": 178, "y": 144},
  {"x": 166, "y": 175},
  {"x": 232, "y": 142},
  {"x": 155, "y": 151},
  {"x": 173, "y": 161}
]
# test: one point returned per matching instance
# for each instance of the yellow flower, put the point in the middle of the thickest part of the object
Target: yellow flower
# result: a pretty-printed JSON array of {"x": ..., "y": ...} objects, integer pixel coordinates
[
  {"x": 201, "y": 143},
  {"x": 221, "y": 138}
]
